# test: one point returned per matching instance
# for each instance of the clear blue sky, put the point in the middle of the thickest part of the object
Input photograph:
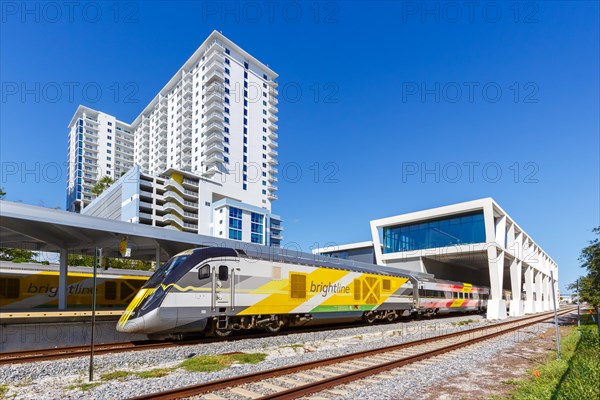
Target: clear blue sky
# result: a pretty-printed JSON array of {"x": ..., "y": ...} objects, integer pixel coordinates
[{"x": 371, "y": 94}]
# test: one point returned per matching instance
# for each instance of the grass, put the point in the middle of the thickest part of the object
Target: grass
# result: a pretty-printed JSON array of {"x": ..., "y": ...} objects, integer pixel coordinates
[
  {"x": 464, "y": 322},
  {"x": 293, "y": 346},
  {"x": 3, "y": 391},
  {"x": 574, "y": 376},
  {"x": 84, "y": 387},
  {"x": 153, "y": 373},
  {"x": 219, "y": 362}
]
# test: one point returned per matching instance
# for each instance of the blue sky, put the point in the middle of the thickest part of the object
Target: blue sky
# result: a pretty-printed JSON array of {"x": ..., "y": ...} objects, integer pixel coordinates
[{"x": 500, "y": 100}]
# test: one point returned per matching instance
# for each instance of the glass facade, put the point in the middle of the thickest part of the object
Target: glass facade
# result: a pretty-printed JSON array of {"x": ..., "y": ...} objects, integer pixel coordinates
[
  {"x": 235, "y": 223},
  {"x": 256, "y": 235},
  {"x": 439, "y": 232}
]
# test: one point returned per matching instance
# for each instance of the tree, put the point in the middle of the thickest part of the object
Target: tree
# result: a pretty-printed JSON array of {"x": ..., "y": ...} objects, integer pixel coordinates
[
  {"x": 102, "y": 185},
  {"x": 119, "y": 263},
  {"x": 2, "y": 193},
  {"x": 16, "y": 255},
  {"x": 589, "y": 285}
]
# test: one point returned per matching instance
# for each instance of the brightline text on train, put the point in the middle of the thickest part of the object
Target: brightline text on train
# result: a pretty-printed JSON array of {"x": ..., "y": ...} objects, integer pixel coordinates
[{"x": 326, "y": 288}]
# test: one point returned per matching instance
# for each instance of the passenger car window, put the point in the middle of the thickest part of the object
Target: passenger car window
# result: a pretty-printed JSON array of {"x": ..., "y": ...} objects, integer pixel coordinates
[
  {"x": 204, "y": 272},
  {"x": 223, "y": 273}
]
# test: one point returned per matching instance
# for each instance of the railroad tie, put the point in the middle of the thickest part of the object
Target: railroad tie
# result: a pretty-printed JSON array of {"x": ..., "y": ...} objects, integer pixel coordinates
[
  {"x": 271, "y": 386},
  {"x": 245, "y": 393},
  {"x": 338, "y": 392},
  {"x": 307, "y": 376},
  {"x": 325, "y": 372},
  {"x": 366, "y": 363},
  {"x": 212, "y": 396},
  {"x": 289, "y": 380}
]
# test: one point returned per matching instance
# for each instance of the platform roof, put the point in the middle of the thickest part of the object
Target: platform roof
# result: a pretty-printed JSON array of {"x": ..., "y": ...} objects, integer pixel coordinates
[{"x": 44, "y": 229}]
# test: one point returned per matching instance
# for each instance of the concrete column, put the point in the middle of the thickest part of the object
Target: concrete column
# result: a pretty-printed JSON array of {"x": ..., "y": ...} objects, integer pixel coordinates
[
  {"x": 157, "y": 257},
  {"x": 516, "y": 309},
  {"x": 63, "y": 284},
  {"x": 529, "y": 302},
  {"x": 496, "y": 305},
  {"x": 538, "y": 292},
  {"x": 547, "y": 294}
]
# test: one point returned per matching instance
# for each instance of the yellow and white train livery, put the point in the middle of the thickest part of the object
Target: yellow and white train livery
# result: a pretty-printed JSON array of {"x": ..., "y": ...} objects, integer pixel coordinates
[{"x": 218, "y": 290}]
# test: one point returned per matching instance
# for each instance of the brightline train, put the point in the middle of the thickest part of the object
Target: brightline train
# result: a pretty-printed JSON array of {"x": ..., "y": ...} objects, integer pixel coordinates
[
  {"x": 219, "y": 290},
  {"x": 26, "y": 286}
]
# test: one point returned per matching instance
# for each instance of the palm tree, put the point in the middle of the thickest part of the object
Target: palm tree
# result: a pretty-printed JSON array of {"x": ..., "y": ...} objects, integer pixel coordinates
[
  {"x": 2, "y": 193},
  {"x": 102, "y": 185}
]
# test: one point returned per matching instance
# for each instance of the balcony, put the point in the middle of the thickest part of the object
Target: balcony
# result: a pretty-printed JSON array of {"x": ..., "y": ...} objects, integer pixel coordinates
[
  {"x": 212, "y": 96},
  {"x": 187, "y": 110},
  {"x": 162, "y": 122},
  {"x": 172, "y": 207},
  {"x": 272, "y": 178},
  {"x": 213, "y": 158},
  {"x": 273, "y": 100},
  {"x": 190, "y": 215},
  {"x": 187, "y": 100},
  {"x": 214, "y": 137},
  {"x": 190, "y": 204},
  {"x": 214, "y": 148},
  {"x": 214, "y": 66},
  {"x": 187, "y": 181},
  {"x": 273, "y": 144},
  {"x": 276, "y": 236},
  {"x": 214, "y": 107},
  {"x": 171, "y": 195},
  {"x": 215, "y": 76},
  {"x": 187, "y": 156},
  {"x": 210, "y": 170},
  {"x": 214, "y": 88},
  {"x": 272, "y": 152},
  {"x": 171, "y": 183},
  {"x": 273, "y": 109},
  {"x": 173, "y": 218},
  {"x": 272, "y": 196},
  {"x": 273, "y": 117},
  {"x": 216, "y": 55},
  {"x": 272, "y": 161},
  {"x": 272, "y": 187},
  {"x": 187, "y": 82},
  {"x": 272, "y": 126},
  {"x": 213, "y": 117}
]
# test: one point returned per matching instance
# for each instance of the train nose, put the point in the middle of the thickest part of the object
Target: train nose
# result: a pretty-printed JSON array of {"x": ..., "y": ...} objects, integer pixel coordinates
[{"x": 135, "y": 325}]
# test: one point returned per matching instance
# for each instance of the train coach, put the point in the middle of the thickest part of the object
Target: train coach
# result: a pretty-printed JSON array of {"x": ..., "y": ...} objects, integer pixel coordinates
[
  {"x": 219, "y": 290},
  {"x": 26, "y": 286}
]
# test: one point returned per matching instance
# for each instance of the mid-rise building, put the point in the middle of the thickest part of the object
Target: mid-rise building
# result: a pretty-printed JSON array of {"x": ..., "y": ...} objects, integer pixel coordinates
[
  {"x": 475, "y": 242},
  {"x": 99, "y": 145},
  {"x": 214, "y": 122}
]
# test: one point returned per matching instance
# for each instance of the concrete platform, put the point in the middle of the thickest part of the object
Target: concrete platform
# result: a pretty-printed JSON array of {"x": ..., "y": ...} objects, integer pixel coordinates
[{"x": 46, "y": 329}]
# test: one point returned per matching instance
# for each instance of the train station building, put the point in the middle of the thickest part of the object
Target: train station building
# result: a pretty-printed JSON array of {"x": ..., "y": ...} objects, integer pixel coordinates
[{"x": 475, "y": 242}]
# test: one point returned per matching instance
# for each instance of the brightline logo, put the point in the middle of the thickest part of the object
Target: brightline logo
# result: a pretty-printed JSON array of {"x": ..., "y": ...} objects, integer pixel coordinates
[{"x": 326, "y": 288}]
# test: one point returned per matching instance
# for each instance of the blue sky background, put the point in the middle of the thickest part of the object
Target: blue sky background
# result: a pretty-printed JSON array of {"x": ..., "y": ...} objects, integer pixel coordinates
[{"x": 352, "y": 103}]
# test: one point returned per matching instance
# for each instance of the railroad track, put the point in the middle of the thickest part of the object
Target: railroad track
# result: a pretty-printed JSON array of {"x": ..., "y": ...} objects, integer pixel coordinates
[
  {"x": 305, "y": 379},
  {"x": 25, "y": 356}
]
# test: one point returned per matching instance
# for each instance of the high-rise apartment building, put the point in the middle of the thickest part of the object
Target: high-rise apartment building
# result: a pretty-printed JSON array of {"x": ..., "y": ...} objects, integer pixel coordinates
[
  {"x": 99, "y": 145},
  {"x": 215, "y": 122}
]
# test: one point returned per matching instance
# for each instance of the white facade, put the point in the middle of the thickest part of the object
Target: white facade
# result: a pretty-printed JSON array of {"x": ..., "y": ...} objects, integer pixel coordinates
[
  {"x": 216, "y": 118},
  {"x": 490, "y": 247},
  {"x": 99, "y": 145},
  {"x": 214, "y": 122}
]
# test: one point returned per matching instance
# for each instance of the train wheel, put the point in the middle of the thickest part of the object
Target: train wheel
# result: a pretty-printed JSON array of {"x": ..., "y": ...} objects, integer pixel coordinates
[
  {"x": 274, "y": 326},
  {"x": 369, "y": 317},
  {"x": 223, "y": 332},
  {"x": 391, "y": 316}
]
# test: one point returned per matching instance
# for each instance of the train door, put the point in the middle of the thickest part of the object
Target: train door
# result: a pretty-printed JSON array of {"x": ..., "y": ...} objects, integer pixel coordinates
[{"x": 224, "y": 281}]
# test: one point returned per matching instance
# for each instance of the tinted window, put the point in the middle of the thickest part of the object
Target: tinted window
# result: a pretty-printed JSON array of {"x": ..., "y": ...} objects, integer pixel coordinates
[
  {"x": 223, "y": 273},
  {"x": 110, "y": 290},
  {"x": 204, "y": 272}
]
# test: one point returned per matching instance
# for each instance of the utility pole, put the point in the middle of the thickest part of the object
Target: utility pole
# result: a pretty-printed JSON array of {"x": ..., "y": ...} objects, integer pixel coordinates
[
  {"x": 555, "y": 315},
  {"x": 97, "y": 258},
  {"x": 578, "y": 311}
]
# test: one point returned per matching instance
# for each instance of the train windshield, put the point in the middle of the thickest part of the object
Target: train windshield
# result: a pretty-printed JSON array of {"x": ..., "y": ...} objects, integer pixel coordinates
[{"x": 165, "y": 270}]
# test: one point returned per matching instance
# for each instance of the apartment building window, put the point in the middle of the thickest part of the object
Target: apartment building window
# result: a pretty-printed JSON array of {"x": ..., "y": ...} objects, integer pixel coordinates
[
  {"x": 226, "y": 140},
  {"x": 227, "y": 61},
  {"x": 245, "y": 75},
  {"x": 227, "y": 81},
  {"x": 245, "y": 177},
  {"x": 226, "y": 110},
  {"x": 245, "y": 187},
  {"x": 265, "y": 77},
  {"x": 227, "y": 51},
  {"x": 246, "y": 65},
  {"x": 235, "y": 223},
  {"x": 109, "y": 137},
  {"x": 226, "y": 149},
  {"x": 110, "y": 124},
  {"x": 264, "y": 130},
  {"x": 226, "y": 100},
  {"x": 256, "y": 228},
  {"x": 264, "y": 192},
  {"x": 226, "y": 119},
  {"x": 264, "y": 138},
  {"x": 227, "y": 71},
  {"x": 245, "y": 139},
  {"x": 226, "y": 159}
]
